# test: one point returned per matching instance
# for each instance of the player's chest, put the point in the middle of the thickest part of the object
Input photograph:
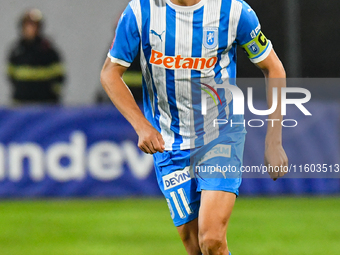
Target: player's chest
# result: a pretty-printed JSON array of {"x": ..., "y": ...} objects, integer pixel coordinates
[
  {"x": 184, "y": 43},
  {"x": 186, "y": 35}
]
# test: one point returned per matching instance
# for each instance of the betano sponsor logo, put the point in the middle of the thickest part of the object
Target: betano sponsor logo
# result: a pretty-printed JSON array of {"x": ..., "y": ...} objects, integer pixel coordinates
[
  {"x": 178, "y": 62},
  {"x": 176, "y": 178}
]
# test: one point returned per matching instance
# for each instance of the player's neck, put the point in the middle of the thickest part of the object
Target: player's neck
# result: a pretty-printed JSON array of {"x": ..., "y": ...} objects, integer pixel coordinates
[{"x": 185, "y": 2}]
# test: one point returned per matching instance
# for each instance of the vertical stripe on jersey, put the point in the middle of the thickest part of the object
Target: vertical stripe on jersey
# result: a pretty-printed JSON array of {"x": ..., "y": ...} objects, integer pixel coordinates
[
  {"x": 149, "y": 90},
  {"x": 158, "y": 25},
  {"x": 149, "y": 94},
  {"x": 231, "y": 68},
  {"x": 223, "y": 29},
  {"x": 225, "y": 66},
  {"x": 234, "y": 19},
  {"x": 211, "y": 18},
  {"x": 233, "y": 15},
  {"x": 224, "y": 59},
  {"x": 136, "y": 8},
  {"x": 170, "y": 40},
  {"x": 230, "y": 54},
  {"x": 183, "y": 47},
  {"x": 196, "y": 92}
]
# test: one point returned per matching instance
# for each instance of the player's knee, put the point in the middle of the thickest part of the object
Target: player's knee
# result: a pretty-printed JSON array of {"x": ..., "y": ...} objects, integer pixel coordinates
[
  {"x": 186, "y": 237},
  {"x": 211, "y": 243},
  {"x": 190, "y": 241}
]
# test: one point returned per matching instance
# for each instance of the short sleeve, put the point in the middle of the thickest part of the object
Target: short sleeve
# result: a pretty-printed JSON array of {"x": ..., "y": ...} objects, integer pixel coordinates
[
  {"x": 125, "y": 46},
  {"x": 250, "y": 37}
]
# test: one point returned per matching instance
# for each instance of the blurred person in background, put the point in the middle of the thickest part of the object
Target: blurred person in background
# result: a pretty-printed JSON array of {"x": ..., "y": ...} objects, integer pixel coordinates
[{"x": 34, "y": 66}]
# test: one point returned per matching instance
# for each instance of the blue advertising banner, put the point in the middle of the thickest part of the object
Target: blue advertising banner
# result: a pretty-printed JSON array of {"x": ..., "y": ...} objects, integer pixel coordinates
[
  {"x": 63, "y": 152},
  {"x": 92, "y": 152}
]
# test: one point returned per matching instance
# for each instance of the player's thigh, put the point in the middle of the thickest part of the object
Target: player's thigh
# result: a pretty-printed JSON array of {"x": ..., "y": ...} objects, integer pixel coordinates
[{"x": 215, "y": 211}]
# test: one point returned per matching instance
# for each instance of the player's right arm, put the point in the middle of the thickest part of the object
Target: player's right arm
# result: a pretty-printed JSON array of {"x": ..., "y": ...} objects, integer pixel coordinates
[
  {"x": 122, "y": 53},
  {"x": 150, "y": 140}
]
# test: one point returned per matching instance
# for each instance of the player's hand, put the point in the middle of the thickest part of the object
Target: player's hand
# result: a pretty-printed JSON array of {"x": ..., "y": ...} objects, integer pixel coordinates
[
  {"x": 150, "y": 140},
  {"x": 275, "y": 156}
]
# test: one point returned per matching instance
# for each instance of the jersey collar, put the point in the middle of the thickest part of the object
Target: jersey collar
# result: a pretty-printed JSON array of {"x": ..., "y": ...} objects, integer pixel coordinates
[{"x": 186, "y": 8}]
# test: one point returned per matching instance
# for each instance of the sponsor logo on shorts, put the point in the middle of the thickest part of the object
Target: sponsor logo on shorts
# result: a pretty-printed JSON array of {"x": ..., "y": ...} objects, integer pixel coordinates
[
  {"x": 176, "y": 178},
  {"x": 220, "y": 150}
]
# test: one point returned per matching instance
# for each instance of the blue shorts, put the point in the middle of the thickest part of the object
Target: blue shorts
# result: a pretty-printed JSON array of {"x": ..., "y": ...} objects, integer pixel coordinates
[{"x": 182, "y": 175}]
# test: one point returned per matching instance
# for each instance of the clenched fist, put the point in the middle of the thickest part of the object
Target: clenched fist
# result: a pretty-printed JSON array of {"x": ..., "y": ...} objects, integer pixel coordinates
[{"x": 276, "y": 158}]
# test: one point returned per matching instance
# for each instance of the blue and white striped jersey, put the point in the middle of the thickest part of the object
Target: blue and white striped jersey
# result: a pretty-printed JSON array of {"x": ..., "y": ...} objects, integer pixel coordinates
[{"x": 178, "y": 45}]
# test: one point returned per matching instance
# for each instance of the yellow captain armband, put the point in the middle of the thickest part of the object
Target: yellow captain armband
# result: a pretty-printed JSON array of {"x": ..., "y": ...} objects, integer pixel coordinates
[{"x": 258, "y": 48}]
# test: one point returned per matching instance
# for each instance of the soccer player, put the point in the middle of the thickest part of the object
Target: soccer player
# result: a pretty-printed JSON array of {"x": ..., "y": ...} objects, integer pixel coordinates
[{"x": 184, "y": 44}]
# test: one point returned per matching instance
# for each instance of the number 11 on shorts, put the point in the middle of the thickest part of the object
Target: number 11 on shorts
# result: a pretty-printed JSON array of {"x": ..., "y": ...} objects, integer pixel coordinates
[{"x": 177, "y": 203}]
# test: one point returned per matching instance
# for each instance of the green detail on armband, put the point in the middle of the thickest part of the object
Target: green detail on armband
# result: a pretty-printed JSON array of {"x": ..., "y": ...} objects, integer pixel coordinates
[{"x": 256, "y": 46}]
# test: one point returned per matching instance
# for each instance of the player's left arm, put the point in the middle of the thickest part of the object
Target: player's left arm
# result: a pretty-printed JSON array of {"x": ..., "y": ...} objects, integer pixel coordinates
[
  {"x": 260, "y": 51},
  {"x": 275, "y": 74}
]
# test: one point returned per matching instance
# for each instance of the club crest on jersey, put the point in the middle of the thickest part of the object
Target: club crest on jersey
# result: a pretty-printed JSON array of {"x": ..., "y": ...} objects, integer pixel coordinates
[
  {"x": 254, "y": 48},
  {"x": 210, "y": 37}
]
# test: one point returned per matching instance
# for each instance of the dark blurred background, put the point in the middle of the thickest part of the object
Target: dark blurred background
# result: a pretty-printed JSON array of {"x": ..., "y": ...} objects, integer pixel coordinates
[{"x": 305, "y": 35}]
